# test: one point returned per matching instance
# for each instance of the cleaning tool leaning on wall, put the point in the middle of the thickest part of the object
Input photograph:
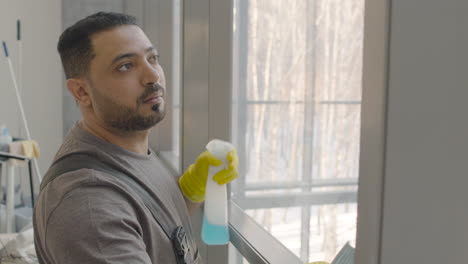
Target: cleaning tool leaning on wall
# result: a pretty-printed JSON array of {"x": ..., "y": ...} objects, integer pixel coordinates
[
  {"x": 18, "y": 97},
  {"x": 107, "y": 198}
]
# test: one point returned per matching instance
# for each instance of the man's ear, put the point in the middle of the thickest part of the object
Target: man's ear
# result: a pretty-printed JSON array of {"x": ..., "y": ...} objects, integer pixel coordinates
[{"x": 80, "y": 90}]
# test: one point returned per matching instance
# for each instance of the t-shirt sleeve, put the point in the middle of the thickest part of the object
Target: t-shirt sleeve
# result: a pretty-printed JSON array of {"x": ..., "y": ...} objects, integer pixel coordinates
[{"x": 95, "y": 224}]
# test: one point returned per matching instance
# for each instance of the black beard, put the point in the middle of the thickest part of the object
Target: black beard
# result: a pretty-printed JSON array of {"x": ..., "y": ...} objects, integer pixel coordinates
[
  {"x": 128, "y": 121},
  {"x": 136, "y": 123}
]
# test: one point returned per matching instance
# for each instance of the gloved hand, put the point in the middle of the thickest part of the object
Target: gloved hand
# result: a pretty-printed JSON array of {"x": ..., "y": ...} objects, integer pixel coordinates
[{"x": 193, "y": 181}]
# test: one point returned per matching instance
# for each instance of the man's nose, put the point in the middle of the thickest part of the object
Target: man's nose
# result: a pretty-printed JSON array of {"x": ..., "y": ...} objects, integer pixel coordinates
[{"x": 151, "y": 75}]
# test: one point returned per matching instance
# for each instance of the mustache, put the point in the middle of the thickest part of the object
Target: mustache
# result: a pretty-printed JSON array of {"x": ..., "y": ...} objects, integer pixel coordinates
[{"x": 150, "y": 89}]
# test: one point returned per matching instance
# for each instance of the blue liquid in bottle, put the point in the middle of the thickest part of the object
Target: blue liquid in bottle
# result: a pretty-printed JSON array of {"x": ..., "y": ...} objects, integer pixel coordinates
[{"x": 214, "y": 234}]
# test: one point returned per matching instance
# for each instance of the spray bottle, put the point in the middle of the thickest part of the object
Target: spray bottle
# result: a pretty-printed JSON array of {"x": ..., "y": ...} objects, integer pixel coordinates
[
  {"x": 215, "y": 219},
  {"x": 5, "y": 137}
]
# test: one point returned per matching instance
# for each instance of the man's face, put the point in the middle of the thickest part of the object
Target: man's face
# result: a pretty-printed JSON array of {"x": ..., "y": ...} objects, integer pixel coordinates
[{"x": 127, "y": 83}]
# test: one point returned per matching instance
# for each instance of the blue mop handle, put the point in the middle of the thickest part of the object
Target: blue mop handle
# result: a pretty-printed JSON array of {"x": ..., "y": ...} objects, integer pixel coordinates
[{"x": 5, "y": 49}]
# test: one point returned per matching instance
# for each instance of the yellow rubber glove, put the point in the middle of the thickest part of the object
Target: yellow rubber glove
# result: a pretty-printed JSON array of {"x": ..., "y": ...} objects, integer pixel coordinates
[{"x": 193, "y": 181}]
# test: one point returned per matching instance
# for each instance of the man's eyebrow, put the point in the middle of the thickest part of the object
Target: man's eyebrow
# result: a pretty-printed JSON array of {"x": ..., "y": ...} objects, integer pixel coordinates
[
  {"x": 129, "y": 55},
  {"x": 123, "y": 56},
  {"x": 151, "y": 49}
]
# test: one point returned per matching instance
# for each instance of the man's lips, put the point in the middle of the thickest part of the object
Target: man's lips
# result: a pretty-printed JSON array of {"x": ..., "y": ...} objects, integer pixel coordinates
[{"x": 154, "y": 99}]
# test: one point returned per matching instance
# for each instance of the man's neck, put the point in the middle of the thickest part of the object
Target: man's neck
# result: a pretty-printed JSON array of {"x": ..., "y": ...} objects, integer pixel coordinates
[{"x": 131, "y": 141}]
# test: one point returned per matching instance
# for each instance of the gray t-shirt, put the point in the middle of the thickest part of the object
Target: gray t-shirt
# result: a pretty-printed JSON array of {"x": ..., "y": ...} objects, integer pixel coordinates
[{"x": 87, "y": 216}]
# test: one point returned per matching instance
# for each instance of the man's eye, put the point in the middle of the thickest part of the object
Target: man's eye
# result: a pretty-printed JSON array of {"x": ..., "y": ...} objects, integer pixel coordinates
[
  {"x": 125, "y": 67},
  {"x": 154, "y": 59}
]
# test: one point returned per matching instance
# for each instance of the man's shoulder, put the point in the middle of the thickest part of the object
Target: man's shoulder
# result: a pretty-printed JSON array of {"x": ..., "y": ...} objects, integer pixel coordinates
[
  {"x": 86, "y": 186},
  {"x": 74, "y": 193},
  {"x": 83, "y": 178}
]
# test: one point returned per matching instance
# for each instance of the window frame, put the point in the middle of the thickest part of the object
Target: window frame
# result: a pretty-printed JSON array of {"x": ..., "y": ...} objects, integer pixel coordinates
[
  {"x": 158, "y": 21},
  {"x": 377, "y": 17}
]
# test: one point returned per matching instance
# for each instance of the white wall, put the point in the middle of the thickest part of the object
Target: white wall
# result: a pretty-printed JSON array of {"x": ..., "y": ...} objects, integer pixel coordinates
[
  {"x": 41, "y": 73},
  {"x": 425, "y": 209}
]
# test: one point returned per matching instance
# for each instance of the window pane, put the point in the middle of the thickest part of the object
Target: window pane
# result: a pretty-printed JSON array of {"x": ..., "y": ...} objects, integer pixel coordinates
[
  {"x": 296, "y": 120},
  {"x": 169, "y": 136},
  {"x": 275, "y": 142}
]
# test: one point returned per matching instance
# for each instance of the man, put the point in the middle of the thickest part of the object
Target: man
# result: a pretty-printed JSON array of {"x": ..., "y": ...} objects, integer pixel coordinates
[{"x": 87, "y": 215}]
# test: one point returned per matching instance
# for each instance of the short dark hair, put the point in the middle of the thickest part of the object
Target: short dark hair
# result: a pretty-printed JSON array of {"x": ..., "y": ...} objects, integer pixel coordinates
[{"x": 74, "y": 46}]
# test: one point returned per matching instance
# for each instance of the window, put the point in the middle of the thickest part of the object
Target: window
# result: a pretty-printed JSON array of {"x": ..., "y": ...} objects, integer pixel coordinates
[
  {"x": 296, "y": 120},
  {"x": 167, "y": 37}
]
